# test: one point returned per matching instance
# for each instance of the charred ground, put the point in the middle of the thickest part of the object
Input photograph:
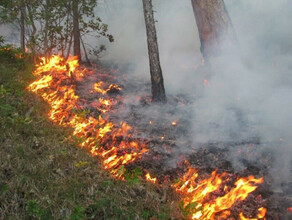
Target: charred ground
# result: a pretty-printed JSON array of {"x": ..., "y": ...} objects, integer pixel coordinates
[{"x": 166, "y": 129}]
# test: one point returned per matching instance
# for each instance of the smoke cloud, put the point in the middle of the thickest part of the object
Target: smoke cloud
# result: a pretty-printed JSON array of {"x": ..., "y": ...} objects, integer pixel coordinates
[
  {"x": 242, "y": 96},
  {"x": 248, "y": 94}
]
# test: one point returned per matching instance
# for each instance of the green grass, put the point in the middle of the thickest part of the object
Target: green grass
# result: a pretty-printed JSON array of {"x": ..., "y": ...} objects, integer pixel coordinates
[{"x": 44, "y": 175}]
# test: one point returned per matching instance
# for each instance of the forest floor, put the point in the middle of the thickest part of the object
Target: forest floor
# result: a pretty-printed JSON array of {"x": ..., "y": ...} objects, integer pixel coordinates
[{"x": 45, "y": 175}]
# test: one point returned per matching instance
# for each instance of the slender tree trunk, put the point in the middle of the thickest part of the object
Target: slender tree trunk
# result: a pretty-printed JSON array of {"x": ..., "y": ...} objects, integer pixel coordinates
[
  {"x": 69, "y": 47},
  {"x": 46, "y": 41},
  {"x": 34, "y": 30},
  {"x": 76, "y": 30},
  {"x": 22, "y": 25},
  {"x": 158, "y": 91},
  {"x": 85, "y": 52},
  {"x": 215, "y": 27}
]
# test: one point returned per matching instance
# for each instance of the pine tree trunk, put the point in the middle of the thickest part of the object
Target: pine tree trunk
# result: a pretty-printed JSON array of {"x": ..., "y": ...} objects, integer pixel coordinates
[
  {"x": 46, "y": 41},
  {"x": 22, "y": 26},
  {"x": 85, "y": 52},
  {"x": 157, "y": 86},
  {"x": 215, "y": 27},
  {"x": 76, "y": 30}
]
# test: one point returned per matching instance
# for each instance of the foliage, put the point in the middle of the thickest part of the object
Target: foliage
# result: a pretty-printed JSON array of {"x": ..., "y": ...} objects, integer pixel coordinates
[
  {"x": 2, "y": 39},
  {"x": 131, "y": 176},
  {"x": 78, "y": 213},
  {"x": 189, "y": 209},
  {"x": 49, "y": 23},
  {"x": 10, "y": 53},
  {"x": 33, "y": 209}
]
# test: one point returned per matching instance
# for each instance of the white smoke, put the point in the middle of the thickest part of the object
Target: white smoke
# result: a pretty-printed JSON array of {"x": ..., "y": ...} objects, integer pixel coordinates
[{"x": 248, "y": 94}]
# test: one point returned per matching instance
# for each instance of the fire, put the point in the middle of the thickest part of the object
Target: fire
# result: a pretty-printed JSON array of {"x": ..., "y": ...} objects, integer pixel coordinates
[
  {"x": 56, "y": 63},
  {"x": 98, "y": 87},
  {"x": 199, "y": 193},
  {"x": 149, "y": 178},
  {"x": 115, "y": 145},
  {"x": 261, "y": 214},
  {"x": 54, "y": 74},
  {"x": 174, "y": 123}
]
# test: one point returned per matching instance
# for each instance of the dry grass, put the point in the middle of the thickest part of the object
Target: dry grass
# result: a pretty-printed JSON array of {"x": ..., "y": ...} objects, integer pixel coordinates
[{"x": 44, "y": 175}]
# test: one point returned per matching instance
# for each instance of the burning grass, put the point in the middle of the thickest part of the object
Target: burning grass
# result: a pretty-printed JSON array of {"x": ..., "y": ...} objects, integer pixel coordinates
[
  {"x": 117, "y": 146},
  {"x": 44, "y": 175}
]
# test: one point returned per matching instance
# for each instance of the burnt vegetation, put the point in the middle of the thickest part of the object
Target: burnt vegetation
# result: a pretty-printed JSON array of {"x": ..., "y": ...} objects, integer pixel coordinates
[{"x": 93, "y": 142}]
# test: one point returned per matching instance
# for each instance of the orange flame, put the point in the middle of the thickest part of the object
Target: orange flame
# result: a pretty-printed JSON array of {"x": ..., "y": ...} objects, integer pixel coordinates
[
  {"x": 197, "y": 192},
  {"x": 150, "y": 179},
  {"x": 261, "y": 214},
  {"x": 114, "y": 143},
  {"x": 63, "y": 100},
  {"x": 174, "y": 123}
]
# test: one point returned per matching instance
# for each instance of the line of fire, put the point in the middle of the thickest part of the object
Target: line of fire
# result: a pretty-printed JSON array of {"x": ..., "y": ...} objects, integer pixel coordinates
[{"x": 200, "y": 147}]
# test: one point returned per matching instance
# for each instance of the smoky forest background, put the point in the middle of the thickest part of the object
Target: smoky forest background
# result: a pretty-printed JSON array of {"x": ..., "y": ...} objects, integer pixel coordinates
[{"x": 195, "y": 85}]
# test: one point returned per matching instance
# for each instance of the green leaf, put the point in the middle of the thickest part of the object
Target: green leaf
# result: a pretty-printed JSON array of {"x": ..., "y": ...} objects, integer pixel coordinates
[{"x": 78, "y": 213}]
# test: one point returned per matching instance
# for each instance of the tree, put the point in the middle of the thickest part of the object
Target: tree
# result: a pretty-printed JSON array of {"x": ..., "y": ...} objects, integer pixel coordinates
[
  {"x": 48, "y": 26},
  {"x": 9, "y": 11},
  {"x": 214, "y": 26},
  {"x": 157, "y": 86},
  {"x": 22, "y": 25},
  {"x": 76, "y": 29}
]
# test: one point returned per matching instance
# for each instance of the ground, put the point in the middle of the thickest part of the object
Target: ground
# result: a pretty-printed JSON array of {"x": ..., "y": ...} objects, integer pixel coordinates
[{"x": 45, "y": 175}]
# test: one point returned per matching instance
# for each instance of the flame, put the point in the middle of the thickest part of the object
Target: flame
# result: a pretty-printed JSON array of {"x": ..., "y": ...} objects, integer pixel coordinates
[
  {"x": 115, "y": 145},
  {"x": 174, "y": 123},
  {"x": 98, "y": 87},
  {"x": 199, "y": 192},
  {"x": 261, "y": 214},
  {"x": 57, "y": 63},
  {"x": 53, "y": 74},
  {"x": 150, "y": 179}
]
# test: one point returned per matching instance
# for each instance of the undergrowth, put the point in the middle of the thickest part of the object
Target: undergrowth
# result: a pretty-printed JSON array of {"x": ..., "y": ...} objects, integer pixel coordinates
[{"x": 44, "y": 175}]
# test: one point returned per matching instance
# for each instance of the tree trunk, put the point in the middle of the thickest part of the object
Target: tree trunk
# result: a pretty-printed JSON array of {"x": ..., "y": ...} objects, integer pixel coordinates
[
  {"x": 85, "y": 53},
  {"x": 157, "y": 86},
  {"x": 76, "y": 30},
  {"x": 46, "y": 41},
  {"x": 215, "y": 27},
  {"x": 22, "y": 25},
  {"x": 69, "y": 47}
]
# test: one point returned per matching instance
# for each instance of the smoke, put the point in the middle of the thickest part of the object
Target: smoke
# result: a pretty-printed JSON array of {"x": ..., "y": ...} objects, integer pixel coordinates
[
  {"x": 10, "y": 34},
  {"x": 175, "y": 24},
  {"x": 248, "y": 94}
]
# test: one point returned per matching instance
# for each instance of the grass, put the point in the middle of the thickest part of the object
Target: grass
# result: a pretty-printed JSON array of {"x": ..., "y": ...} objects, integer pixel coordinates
[{"x": 44, "y": 175}]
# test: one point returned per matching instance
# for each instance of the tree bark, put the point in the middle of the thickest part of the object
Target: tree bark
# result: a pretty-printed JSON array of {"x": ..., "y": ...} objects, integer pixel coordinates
[
  {"x": 76, "y": 30},
  {"x": 22, "y": 25},
  {"x": 157, "y": 85},
  {"x": 46, "y": 40},
  {"x": 215, "y": 27},
  {"x": 85, "y": 53}
]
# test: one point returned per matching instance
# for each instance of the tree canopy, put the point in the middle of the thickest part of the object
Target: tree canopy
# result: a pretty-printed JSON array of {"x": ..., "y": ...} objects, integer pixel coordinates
[{"x": 48, "y": 24}]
